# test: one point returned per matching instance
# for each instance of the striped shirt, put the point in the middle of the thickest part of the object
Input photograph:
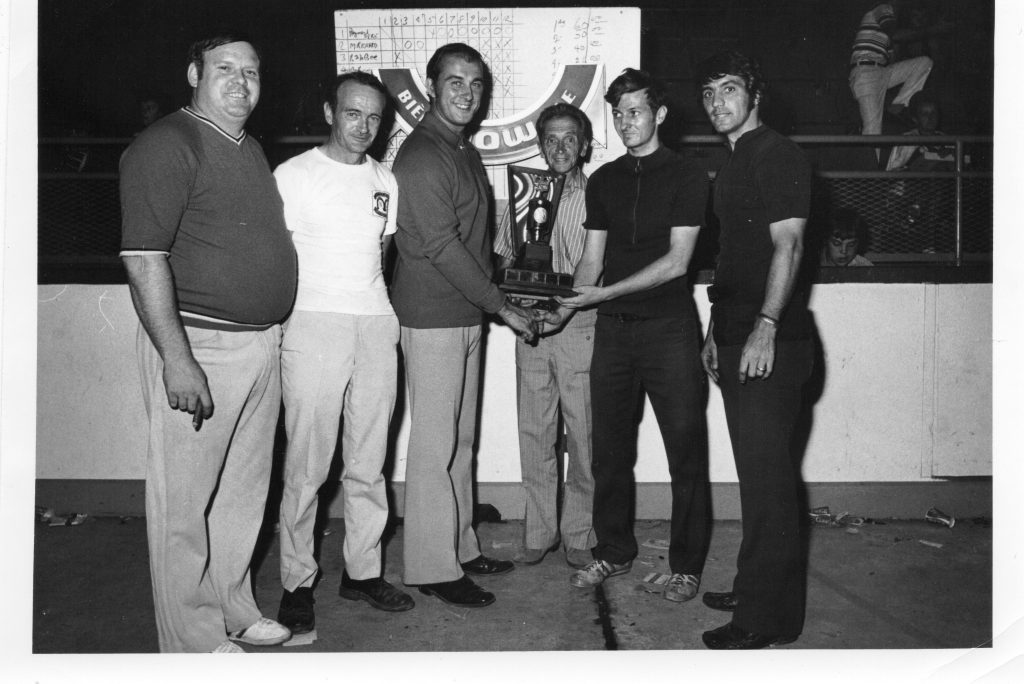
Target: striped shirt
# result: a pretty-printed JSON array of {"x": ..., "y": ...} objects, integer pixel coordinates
[
  {"x": 568, "y": 234},
  {"x": 873, "y": 42}
]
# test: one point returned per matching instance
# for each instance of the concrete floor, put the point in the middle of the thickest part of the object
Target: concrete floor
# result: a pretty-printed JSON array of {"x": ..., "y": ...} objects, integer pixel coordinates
[{"x": 897, "y": 585}]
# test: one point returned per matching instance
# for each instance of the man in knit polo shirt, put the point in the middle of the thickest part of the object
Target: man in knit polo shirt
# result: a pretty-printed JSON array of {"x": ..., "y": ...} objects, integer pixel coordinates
[
  {"x": 442, "y": 287},
  {"x": 759, "y": 350},
  {"x": 644, "y": 211},
  {"x": 553, "y": 375},
  {"x": 339, "y": 358},
  {"x": 212, "y": 273}
]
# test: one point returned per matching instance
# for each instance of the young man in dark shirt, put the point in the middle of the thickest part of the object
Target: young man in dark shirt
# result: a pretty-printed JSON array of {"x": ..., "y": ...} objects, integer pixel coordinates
[
  {"x": 644, "y": 211},
  {"x": 759, "y": 350}
]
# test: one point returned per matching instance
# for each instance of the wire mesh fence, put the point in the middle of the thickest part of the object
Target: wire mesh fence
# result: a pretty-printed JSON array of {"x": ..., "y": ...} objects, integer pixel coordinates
[
  {"x": 910, "y": 216},
  {"x": 916, "y": 215}
]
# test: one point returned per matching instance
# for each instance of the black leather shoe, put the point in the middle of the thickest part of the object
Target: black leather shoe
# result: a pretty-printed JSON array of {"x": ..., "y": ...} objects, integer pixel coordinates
[
  {"x": 461, "y": 592},
  {"x": 296, "y": 611},
  {"x": 482, "y": 565},
  {"x": 377, "y": 592},
  {"x": 719, "y": 600},
  {"x": 733, "y": 638}
]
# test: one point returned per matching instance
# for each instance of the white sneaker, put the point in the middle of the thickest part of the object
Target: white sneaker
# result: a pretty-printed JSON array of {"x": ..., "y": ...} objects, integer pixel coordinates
[
  {"x": 228, "y": 646},
  {"x": 681, "y": 588},
  {"x": 264, "y": 632},
  {"x": 597, "y": 572}
]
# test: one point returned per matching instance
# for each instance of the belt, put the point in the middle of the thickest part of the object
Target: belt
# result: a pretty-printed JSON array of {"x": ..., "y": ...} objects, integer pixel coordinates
[
  {"x": 224, "y": 326},
  {"x": 866, "y": 62},
  {"x": 625, "y": 317}
]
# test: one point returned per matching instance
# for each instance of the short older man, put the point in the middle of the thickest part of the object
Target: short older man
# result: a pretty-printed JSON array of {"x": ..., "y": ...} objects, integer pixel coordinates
[
  {"x": 212, "y": 273},
  {"x": 553, "y": 375}
]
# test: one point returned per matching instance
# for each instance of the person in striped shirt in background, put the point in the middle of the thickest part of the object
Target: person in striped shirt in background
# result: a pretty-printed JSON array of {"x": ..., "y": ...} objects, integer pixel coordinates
[
  {"x": 873, "y": 69},
  {"x": 554, "y": 374}
]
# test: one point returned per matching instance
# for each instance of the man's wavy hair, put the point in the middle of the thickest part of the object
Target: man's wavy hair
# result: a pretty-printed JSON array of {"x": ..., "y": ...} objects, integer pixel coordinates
[
  {"x": 735, "y": 63},
  {"x": 632, "y": 80}
]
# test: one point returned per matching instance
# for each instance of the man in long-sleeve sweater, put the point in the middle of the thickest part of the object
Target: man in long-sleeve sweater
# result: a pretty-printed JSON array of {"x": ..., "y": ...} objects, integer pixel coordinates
[{"x": 442, "y": 287}]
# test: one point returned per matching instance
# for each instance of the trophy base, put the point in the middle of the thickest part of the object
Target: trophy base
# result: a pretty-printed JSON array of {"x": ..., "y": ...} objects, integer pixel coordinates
[{"x": 540, "y": 286}]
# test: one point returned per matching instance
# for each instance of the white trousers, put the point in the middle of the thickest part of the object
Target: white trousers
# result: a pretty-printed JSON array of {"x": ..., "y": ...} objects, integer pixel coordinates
[
  {"x": 206, "y": 490},
  {"x": 336, "y": 366},
  {"x": 870, "y": 83}
]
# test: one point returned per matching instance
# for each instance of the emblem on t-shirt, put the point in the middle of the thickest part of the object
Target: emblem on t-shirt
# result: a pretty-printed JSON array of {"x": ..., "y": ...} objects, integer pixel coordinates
[{"x": 380, "y": 203}]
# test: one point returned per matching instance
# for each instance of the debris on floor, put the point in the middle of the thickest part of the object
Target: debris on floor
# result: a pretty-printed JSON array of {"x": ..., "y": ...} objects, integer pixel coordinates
[
  {"x": 934, "y": 515},
  {"x": 656, "y": 544},
  {"x": 47, "y": 515},
  {"x": 934, "y": 545},
  {"x": 302, "y": 639},
  {"x": 822, "y": 517}
]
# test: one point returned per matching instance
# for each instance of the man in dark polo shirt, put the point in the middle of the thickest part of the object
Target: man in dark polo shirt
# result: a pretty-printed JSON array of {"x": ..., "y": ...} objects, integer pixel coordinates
[
  {"x": 442, "y": 288},
  {"x": 759, "y": 350},
  {"x": 212, "y": 272},
  {"x": 644, "y": 211}
]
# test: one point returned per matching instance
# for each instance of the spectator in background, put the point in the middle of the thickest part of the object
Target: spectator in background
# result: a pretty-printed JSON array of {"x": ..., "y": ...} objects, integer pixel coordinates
[
  {"x": 847, "y": 233},
  {"x": 873, "y": 69},
  {"x": 923, "y": 157},
  {"x": 151, "y": 108}
]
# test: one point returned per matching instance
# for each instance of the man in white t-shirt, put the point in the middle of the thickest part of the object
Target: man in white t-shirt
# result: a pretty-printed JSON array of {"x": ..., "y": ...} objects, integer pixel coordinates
[{"x": 339, "y": 354}]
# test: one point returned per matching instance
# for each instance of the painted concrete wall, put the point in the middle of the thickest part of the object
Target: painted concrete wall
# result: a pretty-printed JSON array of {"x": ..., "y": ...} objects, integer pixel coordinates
[{"x": 906, "y": 394}]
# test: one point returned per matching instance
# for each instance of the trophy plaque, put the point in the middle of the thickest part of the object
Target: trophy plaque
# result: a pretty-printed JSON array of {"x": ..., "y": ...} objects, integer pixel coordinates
[{"x": 534, "y": 195}]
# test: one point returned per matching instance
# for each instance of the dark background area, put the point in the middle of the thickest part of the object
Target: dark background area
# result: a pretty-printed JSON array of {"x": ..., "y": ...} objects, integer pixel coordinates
[{"x": 99, "y": 58}]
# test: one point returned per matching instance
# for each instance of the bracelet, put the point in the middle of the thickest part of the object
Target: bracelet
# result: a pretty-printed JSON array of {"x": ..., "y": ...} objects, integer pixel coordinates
[{"x": 768, "y": 319}]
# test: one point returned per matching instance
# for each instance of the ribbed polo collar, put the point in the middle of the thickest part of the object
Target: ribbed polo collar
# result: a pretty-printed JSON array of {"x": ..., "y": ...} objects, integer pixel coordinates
[
  {"x": 209, "y": 122},
  {"x": 433, "y": 123}
]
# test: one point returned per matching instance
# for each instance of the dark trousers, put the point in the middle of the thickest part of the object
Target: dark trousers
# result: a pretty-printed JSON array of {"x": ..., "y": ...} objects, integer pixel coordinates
[
  {"x": 659, "y": 356},
  {"x": 761, "y": 415}
]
